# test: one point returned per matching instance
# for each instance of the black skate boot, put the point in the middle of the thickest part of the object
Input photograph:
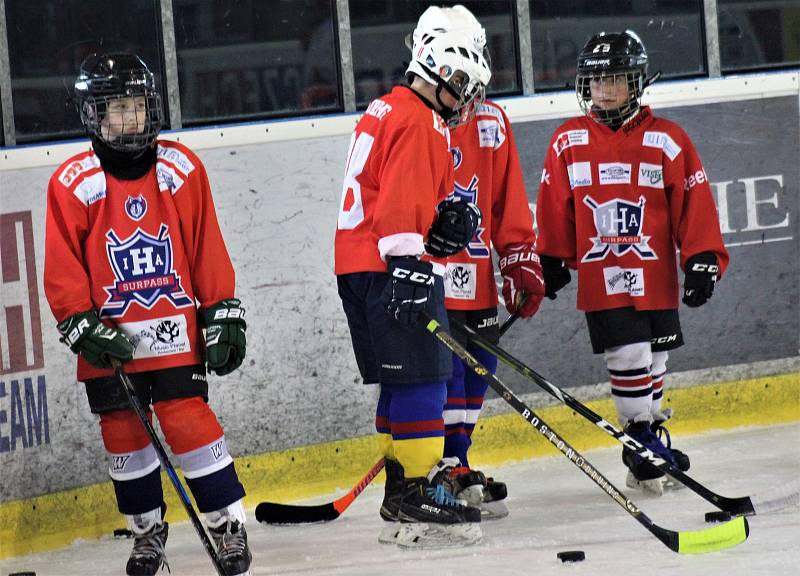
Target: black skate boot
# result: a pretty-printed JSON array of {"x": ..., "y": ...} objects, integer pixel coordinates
[
  {"x": 393, "y": 491},
  {"x": 147, "y": 556},
  {"x": 231, "y": 541},
  {"x": 432, "y": 517},
  {"x": 478, "y": 491},
  {"x": 641, "y": 473},
  {"x": 659, "y": 418}
]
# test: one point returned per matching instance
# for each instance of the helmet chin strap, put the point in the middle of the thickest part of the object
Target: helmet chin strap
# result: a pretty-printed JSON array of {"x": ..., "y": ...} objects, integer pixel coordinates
[{"x": 444, "y": 111}]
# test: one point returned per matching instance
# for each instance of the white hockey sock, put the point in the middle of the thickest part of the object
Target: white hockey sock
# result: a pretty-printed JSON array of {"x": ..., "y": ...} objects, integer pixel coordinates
[
  {"x": 657, "y": 373},
  {"x": 631, "y": 385},
  {"x": 143, "y": 523},
  {"x": 219, "y": 517}
]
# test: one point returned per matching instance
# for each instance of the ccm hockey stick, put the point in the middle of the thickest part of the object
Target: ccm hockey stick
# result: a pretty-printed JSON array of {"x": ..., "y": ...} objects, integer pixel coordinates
[
  {"x": 274, "y": 513},
  {"x": 130, "y": 392},
  {"x": 734, "y": 506},
  {"x": 710, "y": 539}
]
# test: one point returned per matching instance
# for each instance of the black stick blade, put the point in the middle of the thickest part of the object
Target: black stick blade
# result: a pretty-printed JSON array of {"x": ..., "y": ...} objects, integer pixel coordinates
[{"x": 274, "y": 513}]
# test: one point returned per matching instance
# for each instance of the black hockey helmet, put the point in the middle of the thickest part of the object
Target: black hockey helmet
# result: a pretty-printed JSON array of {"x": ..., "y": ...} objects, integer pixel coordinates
[
  {"x": 108, "y": 77},
  {"x": 612, "y": 57}
]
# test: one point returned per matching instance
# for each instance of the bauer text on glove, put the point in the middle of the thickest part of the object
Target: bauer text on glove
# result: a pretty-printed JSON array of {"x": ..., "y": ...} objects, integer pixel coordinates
[
  {"x": 522, "y": 275},
  {"x": 226, "y": 341},
  {"x": 98, "y": 343}
]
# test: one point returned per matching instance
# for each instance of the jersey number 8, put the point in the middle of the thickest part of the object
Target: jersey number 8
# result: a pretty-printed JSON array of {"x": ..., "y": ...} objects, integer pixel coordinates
[{"x": 351, "y": 209}]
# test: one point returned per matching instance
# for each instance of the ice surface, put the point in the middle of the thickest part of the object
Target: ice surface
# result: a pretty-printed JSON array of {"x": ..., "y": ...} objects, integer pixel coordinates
[{"x": 554, "y": 507}]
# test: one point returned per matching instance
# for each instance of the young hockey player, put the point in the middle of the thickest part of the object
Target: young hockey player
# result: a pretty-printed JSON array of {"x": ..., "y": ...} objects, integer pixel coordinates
[
  {"x": 133, "y": 245},
  {"x": 487, "y": 173},
  {"x": 399, "y": 168},
  {"x": 621, "y": 189}
]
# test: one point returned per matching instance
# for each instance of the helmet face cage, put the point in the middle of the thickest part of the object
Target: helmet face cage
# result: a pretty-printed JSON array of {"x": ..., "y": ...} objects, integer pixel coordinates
[
  {"x": 607, "y": 65},
  {"x": 453, "y": 62},
  {"x": 604, "y": 86},
  {"x": 131, "y": 126}
]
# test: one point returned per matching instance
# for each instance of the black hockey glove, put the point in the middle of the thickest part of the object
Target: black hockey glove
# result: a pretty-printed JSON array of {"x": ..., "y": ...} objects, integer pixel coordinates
[
  {"x": 226, "y": 342},
  {"x": 87, "y": 336},
  {"x": 699, "y": 277},
  {"x": 556, "y": 275},
  {"x": 406, "y": 294},
  {"x": 453, "y": 228}
]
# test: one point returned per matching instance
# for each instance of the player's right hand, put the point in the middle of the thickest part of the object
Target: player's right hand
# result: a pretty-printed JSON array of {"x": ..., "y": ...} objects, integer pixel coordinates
[
  {"x": 556, "y": 275},
  {"x": 407, "y": 292},
  {"x": 98, "y": 343},
  {"x": 455, "y": 225},
  {"x": 523, "y": 282}
]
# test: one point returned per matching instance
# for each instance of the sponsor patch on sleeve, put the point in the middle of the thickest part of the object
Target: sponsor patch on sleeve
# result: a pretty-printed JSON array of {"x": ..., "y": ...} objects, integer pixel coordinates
[
  {"x": 75, "y": 169},
  {"x": 176, "y": 158},
  {"x": 570, "y": 138},
  {"x": 664, "y": 141}
]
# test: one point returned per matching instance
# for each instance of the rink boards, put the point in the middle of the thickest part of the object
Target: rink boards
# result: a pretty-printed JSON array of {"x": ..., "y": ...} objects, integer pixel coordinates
[{"x": 298, "y": 399}]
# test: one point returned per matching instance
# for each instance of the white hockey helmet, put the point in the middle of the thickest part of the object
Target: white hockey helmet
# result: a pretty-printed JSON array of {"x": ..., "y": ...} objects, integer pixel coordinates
[{"x": 448, "y": 50}]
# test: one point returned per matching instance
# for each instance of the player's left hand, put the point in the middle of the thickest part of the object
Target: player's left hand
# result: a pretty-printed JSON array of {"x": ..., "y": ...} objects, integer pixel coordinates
[
  {"x": 522, "y": 274},
  {"x": 454, "y": 227},
  {"x": 226, "y": 342},
  {"x": 700, "y": 276}
]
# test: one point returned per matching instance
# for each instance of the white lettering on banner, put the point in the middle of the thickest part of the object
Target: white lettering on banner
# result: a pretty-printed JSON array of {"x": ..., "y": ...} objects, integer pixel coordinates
[
  {"x": 725, "y": 191},
  {"x": 615, "y": 173},
  {"x": 460, "y": 280},
  {"x": 624, "y": 280},
  {"x": 570, "y": 138},
  {"x": 651, "y": 175},
  {"x": 158, "y": 337},
  {"x": 580, "y": 174},
  {"x": 664, "y": 141}
]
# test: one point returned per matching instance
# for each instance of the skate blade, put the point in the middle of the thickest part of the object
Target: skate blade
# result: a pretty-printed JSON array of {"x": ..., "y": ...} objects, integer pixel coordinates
[
  {"x": 654, "y": 486},
  {"x": 421, "y": 535},
  {"x": 493, "y": 510},
  {"x": 389, "y": 533}
]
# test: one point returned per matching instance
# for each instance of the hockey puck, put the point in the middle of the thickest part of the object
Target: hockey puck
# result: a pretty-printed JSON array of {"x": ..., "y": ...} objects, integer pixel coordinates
[
  {"x": 22, "y": 574},
  {"x": 571, "y": 556},
  {"x": 718, "y": 516},
  {"x": 122, "y": 533}
]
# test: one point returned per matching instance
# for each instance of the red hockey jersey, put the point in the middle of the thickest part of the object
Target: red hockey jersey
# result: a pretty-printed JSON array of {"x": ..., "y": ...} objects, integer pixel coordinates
[
  {"x": 615, "y": 205},
  {"x": 488, "y": 173},
  {"x": 398, "y": 169},
  {"x": 142, "y": 252}
]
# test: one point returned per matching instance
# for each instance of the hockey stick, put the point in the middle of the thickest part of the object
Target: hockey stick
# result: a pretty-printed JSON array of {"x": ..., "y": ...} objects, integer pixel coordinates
[
  {"x": 695, "y": 542},
  {"x": 130, "y": 391},
  {"x": 735, "y": 506},
  {"x": 509, "y": 322},
  {"x": 274, "y": 513}
]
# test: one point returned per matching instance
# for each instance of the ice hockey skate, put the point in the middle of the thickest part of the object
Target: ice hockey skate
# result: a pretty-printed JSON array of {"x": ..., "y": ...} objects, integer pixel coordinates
[
  {"x": 231, "y": 541},
  {"x": 477, "y": 491},
  {"x": 431, "y": 517},
  {"x": 150, "y": 537},
  {"x": 643, "y": 475}
]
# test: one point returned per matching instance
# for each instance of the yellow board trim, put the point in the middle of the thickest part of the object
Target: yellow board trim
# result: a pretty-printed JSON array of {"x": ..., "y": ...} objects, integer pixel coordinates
[{"x": 55, "y": 520}]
